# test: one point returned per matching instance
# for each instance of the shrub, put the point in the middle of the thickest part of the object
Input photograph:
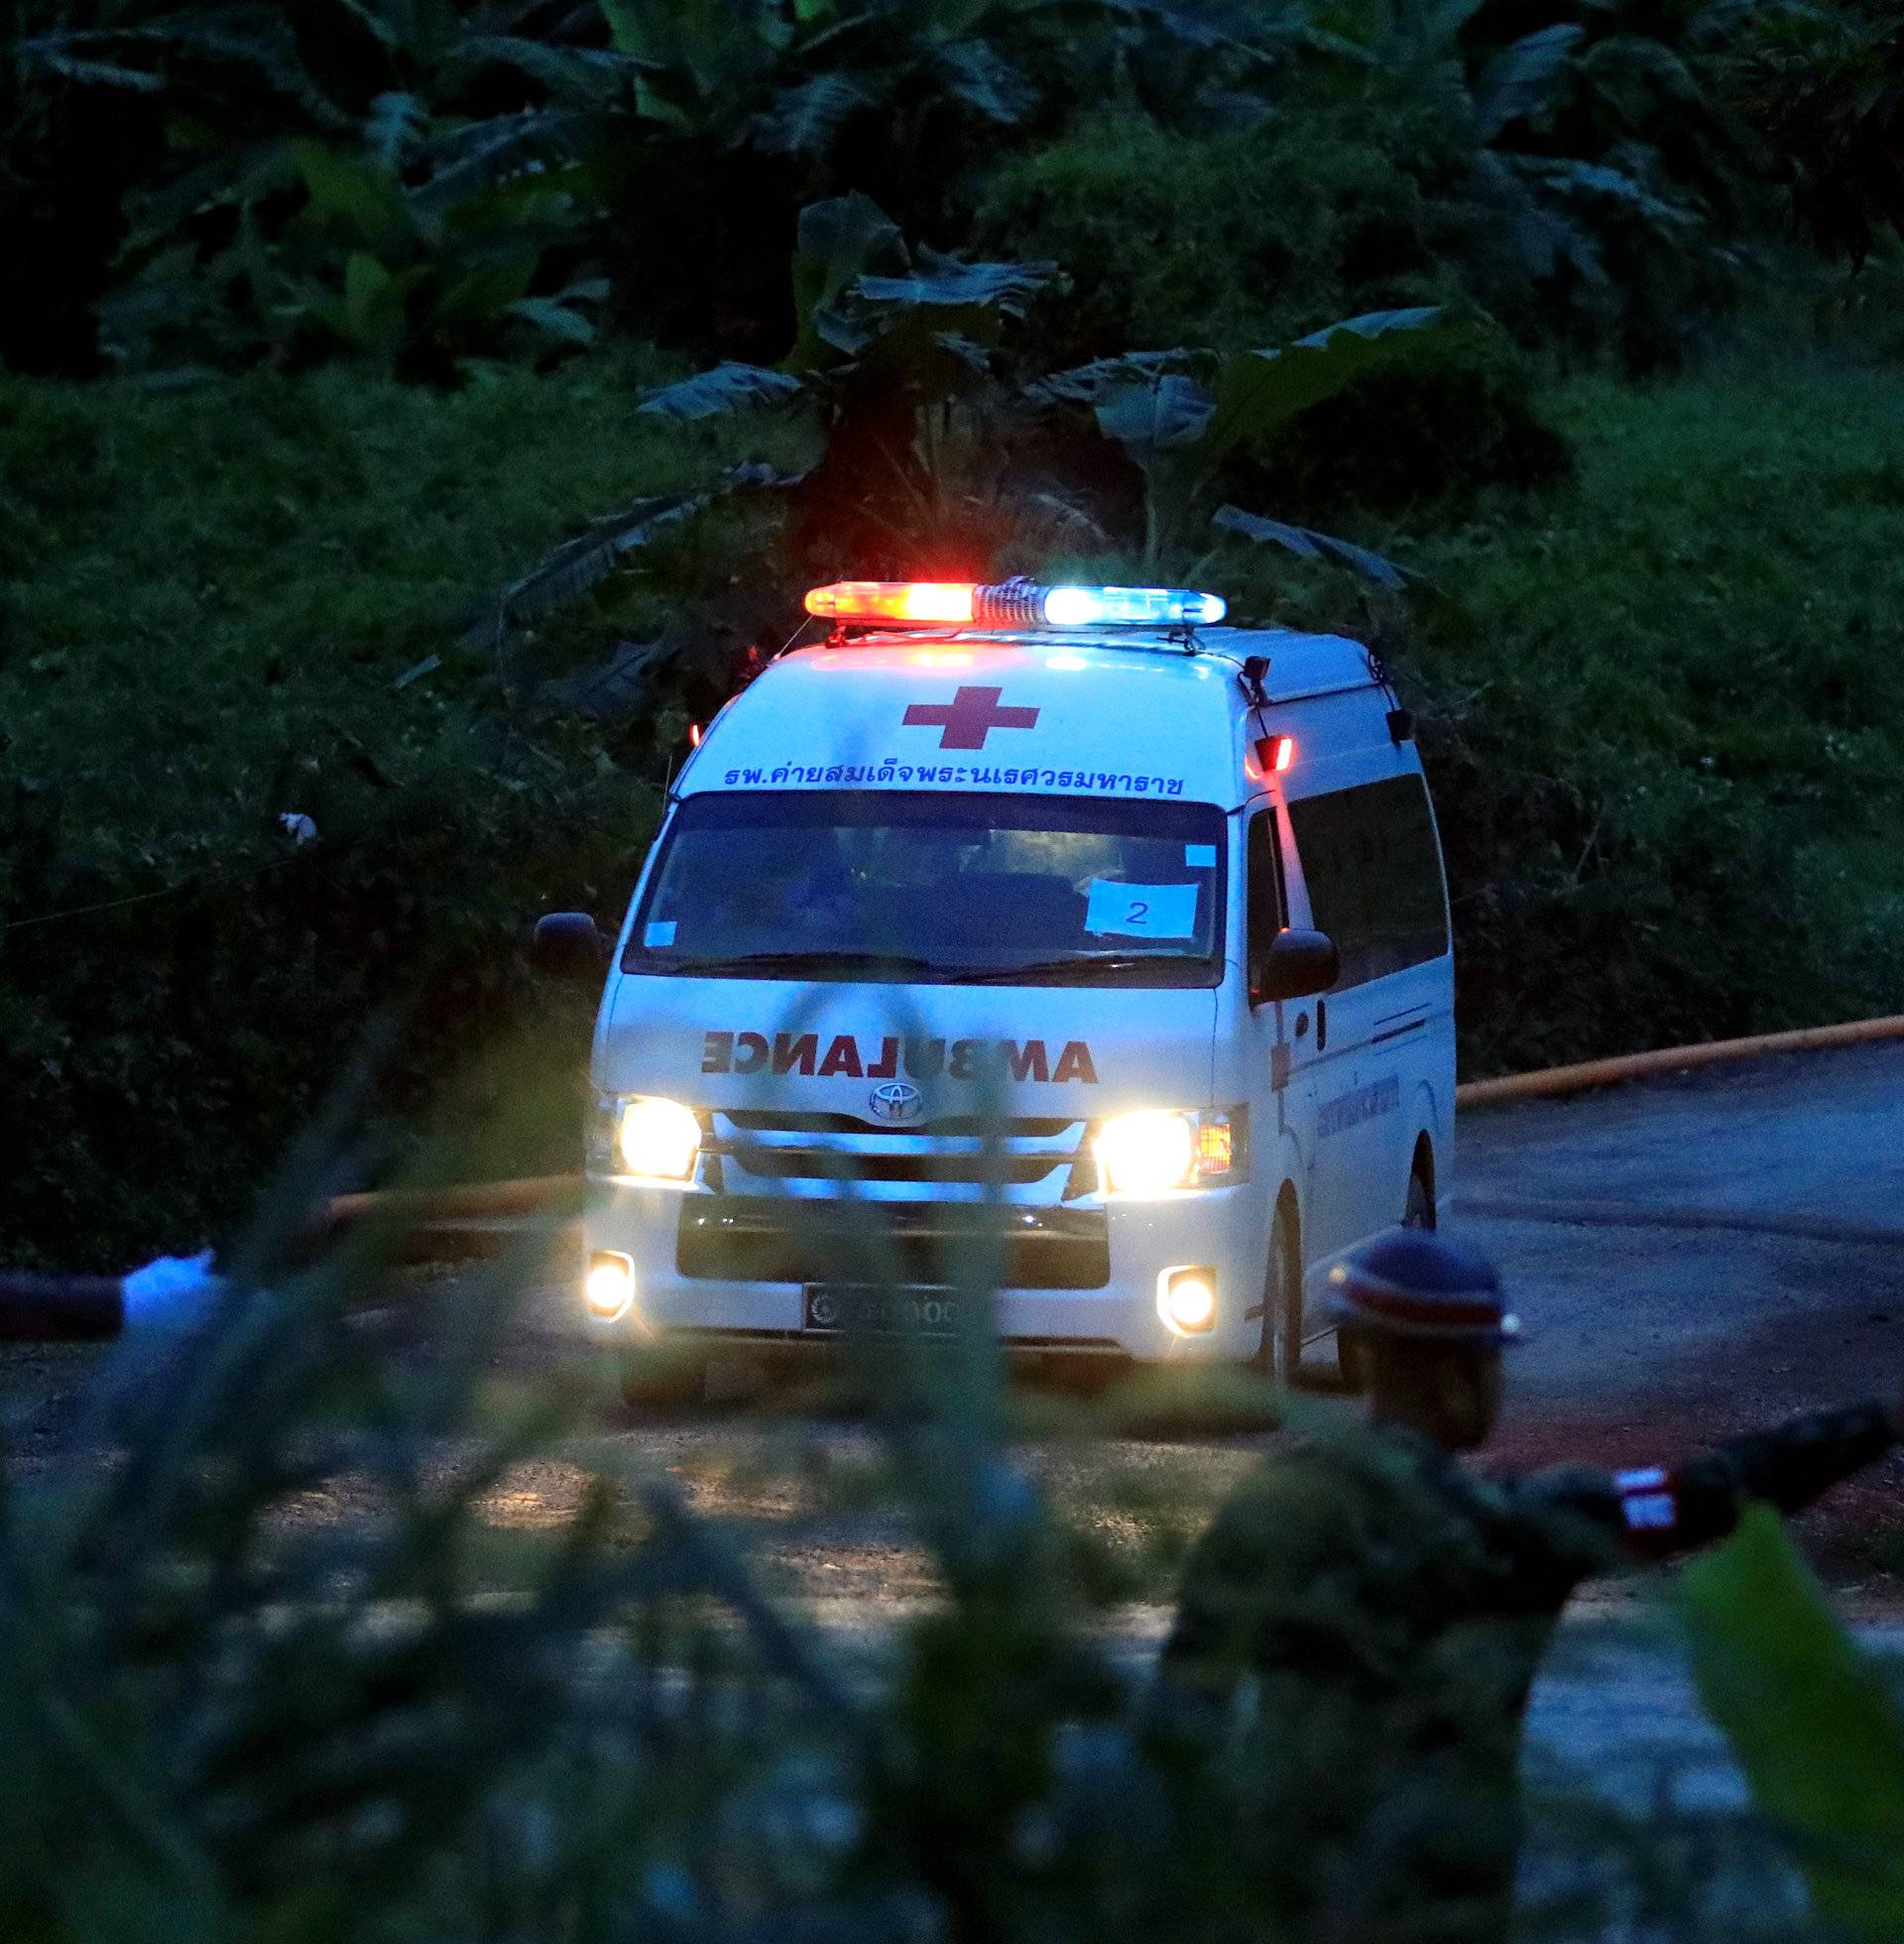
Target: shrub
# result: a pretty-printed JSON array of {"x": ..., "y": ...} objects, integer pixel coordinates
[
  {"x": 1234, "y": 239},
  {"x": 1425, "y": 440}
]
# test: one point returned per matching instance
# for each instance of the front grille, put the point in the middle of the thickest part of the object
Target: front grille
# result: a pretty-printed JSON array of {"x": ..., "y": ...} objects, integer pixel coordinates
[
  {"x": 764, "y": 1239},
  {"x": 963, "y": 1127},
  {"x": 1011, "y": 1152},
  {"x": 838, "y": 1164}
]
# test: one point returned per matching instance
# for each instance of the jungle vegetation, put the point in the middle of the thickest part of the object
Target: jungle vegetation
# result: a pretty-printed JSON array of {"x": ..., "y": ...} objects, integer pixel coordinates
[{"x": 413, "y": 412}]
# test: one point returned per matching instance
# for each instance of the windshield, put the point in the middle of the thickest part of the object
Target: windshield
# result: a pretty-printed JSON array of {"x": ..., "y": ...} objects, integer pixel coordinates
[{"x": 907, "y": 888}]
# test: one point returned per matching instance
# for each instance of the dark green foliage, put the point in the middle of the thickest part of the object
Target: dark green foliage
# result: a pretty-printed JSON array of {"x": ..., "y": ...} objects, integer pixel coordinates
[
  {"x": 224, "y": 607},
  {"x": 1823, "y": 89},
  {"x": 432, "y": 181},
  {"x": 917, "y": 425},
  {"x": 1570, "y": 175},
  {"x": 437, "y": 183},
  {"x": 393, "y": 179},
  {"x": 1424, "y": 439},
  {"x": 1230, "y": 239}
]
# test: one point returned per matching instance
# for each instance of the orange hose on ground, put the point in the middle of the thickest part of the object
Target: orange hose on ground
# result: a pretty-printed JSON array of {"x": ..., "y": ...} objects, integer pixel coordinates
[
  {"x": 1552, "y": 1081},
  {"x": 473, "y": 1200}
]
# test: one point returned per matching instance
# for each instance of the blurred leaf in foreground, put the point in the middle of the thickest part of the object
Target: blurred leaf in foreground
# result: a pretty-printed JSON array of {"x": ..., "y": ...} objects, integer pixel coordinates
[{"x": 1819, "y": 1736}]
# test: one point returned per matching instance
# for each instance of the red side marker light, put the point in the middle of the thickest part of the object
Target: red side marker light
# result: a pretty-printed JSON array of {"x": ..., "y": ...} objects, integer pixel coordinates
[
  {"x": 1275, "y": 753},
  {"x": 693, "y": 735}
]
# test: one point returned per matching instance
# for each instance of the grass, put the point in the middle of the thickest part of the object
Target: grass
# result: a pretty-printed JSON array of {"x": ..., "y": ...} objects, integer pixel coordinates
[{"x": 211, "y": 596}]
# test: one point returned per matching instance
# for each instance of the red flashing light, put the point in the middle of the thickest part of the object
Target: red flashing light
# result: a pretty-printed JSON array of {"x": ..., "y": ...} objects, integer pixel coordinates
[
  {"x": 892, "y": 600},
  {"x": 1275, "y": 753}
]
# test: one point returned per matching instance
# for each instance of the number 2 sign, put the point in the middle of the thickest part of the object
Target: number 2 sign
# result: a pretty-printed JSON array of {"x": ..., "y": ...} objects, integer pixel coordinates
[{"x": 1140, "y": 911}]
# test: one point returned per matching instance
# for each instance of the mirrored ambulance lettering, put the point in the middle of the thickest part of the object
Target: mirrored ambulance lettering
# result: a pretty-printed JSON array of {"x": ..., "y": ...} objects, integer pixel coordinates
[{"x": 848, "y": 1058}]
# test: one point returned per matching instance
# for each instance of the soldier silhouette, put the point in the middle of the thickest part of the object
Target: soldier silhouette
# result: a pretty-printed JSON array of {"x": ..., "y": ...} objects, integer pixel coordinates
[{"x": 1359, "y": 1627}]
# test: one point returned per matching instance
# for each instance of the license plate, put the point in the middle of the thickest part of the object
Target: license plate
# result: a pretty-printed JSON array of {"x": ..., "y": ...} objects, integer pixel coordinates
[{"x": 925, "y": 1312}]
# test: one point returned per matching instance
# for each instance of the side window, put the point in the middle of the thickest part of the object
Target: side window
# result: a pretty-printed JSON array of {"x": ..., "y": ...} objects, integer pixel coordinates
[
  {"x": 1374, "y": 872},
  {"x": 1268, "y": 902}
]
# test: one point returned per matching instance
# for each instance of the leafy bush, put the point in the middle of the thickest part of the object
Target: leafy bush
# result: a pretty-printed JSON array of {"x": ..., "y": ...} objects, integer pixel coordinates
[
  {"x": 1576, "y": 180},
  {"x": 917, "y": 427},
  {"x": 1822, "y": 89},
  {"x": 1232, "y": 239},
  {"x": 432, "y": 179},
  {"x": 1425, "y": 440},
  {"x": 397, "y": 179}
]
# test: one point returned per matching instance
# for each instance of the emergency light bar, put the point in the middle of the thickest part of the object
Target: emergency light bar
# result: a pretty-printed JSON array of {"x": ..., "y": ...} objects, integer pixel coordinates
[{"x": 1014, "y": 604}]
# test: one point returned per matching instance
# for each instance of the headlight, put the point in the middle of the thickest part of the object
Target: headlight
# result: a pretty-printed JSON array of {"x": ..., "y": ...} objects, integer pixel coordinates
[
  {"x": 1154, "y": 1150},
  {"x": 659, "y": 1138}
]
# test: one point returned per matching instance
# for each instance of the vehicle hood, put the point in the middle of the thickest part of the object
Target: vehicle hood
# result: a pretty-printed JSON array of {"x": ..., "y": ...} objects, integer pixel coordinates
[{"x": 825, "y": 1048}]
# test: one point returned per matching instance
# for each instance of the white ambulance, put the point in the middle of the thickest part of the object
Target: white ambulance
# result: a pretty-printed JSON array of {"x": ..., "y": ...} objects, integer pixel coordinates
[{"x": 1055, "y": 922}]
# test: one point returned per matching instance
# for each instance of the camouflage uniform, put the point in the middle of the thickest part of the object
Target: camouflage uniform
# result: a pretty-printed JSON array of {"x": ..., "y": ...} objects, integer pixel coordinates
[{"x": 1392, "y": 1608}]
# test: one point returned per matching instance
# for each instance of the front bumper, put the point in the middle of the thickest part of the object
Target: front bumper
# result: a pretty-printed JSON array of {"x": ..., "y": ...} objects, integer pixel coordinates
[{"x": 1080, "y": 1277}]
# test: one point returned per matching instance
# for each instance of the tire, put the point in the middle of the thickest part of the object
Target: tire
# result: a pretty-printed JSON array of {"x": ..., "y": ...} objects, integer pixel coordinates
[
  {"x": 1418, "y": 1212},
  {"x": 1279, "y": 1352}
]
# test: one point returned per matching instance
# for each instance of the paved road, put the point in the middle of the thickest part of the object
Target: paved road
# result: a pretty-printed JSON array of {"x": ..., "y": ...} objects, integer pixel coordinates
[{"x": 1707, "y": 1248}]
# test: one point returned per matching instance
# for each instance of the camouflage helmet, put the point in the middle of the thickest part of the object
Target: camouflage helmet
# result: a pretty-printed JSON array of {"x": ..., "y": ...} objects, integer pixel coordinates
[{"x": 1410, "y": 1282}]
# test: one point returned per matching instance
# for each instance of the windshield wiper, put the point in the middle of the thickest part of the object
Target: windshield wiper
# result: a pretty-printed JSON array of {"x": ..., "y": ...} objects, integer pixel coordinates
[
  {"x": 1060, "y": 968},
  {"x": 769, "y": 963}
]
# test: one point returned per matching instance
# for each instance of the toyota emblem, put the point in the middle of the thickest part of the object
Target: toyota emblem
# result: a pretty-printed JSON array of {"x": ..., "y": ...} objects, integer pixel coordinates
[{"x": 898, "y": 1103}]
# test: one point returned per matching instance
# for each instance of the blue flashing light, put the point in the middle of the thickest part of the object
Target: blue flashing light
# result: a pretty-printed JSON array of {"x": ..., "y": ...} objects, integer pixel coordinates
[{"x": 1071, "y": 607}]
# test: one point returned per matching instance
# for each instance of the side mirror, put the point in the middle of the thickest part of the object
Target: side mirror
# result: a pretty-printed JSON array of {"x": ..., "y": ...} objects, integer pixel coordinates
[
  {"x": 568, "y": 945},
  {"x": 1296, "y": 964}
]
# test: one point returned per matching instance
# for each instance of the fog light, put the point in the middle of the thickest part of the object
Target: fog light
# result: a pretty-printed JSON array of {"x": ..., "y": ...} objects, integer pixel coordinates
[
  {"x": 1187, "y": 1299},
  {"x": 608, "y": 1288}
]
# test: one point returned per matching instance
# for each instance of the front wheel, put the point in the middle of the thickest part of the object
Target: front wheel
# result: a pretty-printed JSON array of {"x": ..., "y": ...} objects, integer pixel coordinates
[
  {"x": 1279, "y": 1351},
  {"x": 1418, "y": 1212}
]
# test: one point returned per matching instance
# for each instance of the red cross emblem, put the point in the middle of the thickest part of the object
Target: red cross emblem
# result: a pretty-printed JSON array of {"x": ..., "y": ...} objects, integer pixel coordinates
[{"x": 970, "y": 716}]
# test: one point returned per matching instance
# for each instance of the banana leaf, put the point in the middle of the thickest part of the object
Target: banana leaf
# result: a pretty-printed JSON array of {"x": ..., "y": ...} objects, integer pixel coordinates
[
  {"x": 838, "y": 239},
  {"x": 1147, "y": 419},
  {"x": 726, "y": 389},
  {"x": 1819, "y": 1735},
  {"x": 804, "y": 119},
  {"x": 1258, "y": 392},
  {"x": 393, "y": 129},
  {"x": 1312, "y": 545},
  {"x": 1520, "y": 82}
]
